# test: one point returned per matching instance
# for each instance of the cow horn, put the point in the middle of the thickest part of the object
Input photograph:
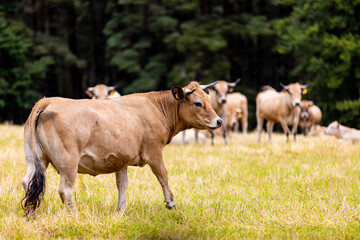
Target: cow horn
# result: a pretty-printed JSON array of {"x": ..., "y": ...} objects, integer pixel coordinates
[
  {"x": 110, "y": 88},
  {"x": 303, "y": 86},
  {"x": 284, "y": 86},
  {"x": 188, "y": 91},
  {"x": 234, "y": 83},
  {"x": 209, "y": 85},
  {"x": 91, "y": 89}
]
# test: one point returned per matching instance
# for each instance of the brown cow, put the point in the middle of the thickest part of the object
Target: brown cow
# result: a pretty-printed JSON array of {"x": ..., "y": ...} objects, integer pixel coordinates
[
  {"x": 237, "y": 109},
  {"x": 279, "y": 107},
  {"x": 107, "y": 136},
  {"x": 218, "y": 99},
  {"x": 102, "y": 91},
  {"x": 310, "y": 115}
]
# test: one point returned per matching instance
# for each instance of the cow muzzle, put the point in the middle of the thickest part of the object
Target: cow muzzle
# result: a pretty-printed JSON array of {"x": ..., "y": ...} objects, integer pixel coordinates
[
  {"x": 304, "y": 115},
  {"x": 222, "y": 100},
  {"x": 296, "y": 103},
  {"x": 216, "y": 123}
]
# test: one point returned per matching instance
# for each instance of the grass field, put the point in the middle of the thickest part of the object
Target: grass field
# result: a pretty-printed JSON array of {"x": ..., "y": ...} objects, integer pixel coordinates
[{"x": 307, "y": 189}]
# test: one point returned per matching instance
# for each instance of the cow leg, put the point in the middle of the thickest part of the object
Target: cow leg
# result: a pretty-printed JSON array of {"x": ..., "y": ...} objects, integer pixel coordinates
[
  {"x": 224, "y": 135},
  {"x": 260, "y": 122},
  {"x": 196, "y": 135},
  {"x": 294, "y": 131},
  {"x": 212, "y": 137},
  {"x": 244, "y": 125},
  {"x": 67, "y": 182},
  {"x": 307, "y": 129},
  {"x": 269, "y": 129},
  {"x": 122, "y": 184},
  {"x": 158, "y": 168},
  {"x": 285, "y": 129},
  {"x": 183, "y": 138}
]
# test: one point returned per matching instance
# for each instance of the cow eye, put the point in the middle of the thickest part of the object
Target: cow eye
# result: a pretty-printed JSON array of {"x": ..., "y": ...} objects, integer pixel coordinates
[
  {"x": 216, "y": 91},
  {"x": 198, "y": 104}
]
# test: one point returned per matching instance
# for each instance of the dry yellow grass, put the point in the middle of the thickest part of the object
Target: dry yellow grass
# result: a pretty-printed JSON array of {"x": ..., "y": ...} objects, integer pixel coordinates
[{"x": 307, "y": 189}]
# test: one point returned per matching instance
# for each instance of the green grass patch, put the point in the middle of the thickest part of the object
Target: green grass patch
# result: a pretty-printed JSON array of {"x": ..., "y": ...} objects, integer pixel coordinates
[{"x": 307, "y": 189}]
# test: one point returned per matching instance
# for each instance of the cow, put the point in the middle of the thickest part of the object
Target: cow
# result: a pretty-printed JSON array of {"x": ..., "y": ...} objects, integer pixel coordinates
[
  {"x": 188, "y": 136},
  {"x": 317, "y": 130},
  {"x": 218, "y": 99},
  {"x": 237, "y": 109},
  {"x": 310, "y": 115},
  {"x": 342, "y": 132},
  {"x": 102, "y": 91},
  {"x": 279, "y": 107},
  {"x": 106, "y": 136}
]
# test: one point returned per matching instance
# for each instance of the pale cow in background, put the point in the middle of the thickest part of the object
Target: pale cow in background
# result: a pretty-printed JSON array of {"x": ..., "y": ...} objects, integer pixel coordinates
[
  {"x": 218, "y": 99},
  {"x": 237, "y": 109},
  {"x": 342, "y": 132},
  {"x": 189, "y": 136},
  {"x": 101, "y": 91},
  {"x": 279, "y": 107},
  {"x": 310, "y": 115},
  {"x": 317, "y": 130}
]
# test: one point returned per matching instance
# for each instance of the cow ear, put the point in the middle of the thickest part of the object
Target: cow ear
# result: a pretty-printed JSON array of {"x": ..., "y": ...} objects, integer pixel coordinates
[
  {"x": 89, "y": 93},
  {"x": 178, "y": 93}
]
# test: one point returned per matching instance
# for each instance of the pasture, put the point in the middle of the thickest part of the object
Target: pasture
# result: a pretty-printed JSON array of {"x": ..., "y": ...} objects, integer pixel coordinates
[{"x": 307, "y": 189}]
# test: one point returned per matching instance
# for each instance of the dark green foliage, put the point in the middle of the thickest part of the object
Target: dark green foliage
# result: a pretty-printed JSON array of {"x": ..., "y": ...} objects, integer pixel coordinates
[
  {"x": 18, "y": 71},
  {"x": 324, "y": 36},
  {"x": 59, "y": 48}
]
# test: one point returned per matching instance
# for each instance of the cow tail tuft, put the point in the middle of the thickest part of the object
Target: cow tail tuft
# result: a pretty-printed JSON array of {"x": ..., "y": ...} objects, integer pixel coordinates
[
  {"x": 35, "y": 190},
  {"x": 36, "y": 187}
]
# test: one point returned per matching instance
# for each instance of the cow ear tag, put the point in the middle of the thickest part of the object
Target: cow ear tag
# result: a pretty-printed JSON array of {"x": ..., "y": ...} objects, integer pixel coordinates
[
  {"x": 231, "y": 90},
  {"x": 239, "y": 115},
  {"x": 310, "y": 106},
  {"x": 304, "y": 91},
  {"x": 112, "y": 93}
]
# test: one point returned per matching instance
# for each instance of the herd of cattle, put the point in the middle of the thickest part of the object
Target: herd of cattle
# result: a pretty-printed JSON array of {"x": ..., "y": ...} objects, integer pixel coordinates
[{"x": 107, "y": 136}]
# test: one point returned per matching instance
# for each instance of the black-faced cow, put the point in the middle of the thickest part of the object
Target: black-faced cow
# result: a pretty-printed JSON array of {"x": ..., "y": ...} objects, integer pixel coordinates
[{"x": 310, "y": 115}]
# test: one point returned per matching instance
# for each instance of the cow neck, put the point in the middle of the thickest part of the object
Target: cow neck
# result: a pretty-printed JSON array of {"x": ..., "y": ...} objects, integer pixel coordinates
[
  {"x": 288, "y": 102},
  {"x": 169, "y": 109}
]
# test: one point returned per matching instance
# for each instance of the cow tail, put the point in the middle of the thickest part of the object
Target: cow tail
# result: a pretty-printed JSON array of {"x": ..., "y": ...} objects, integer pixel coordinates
[{"x": 36, "y": 187}]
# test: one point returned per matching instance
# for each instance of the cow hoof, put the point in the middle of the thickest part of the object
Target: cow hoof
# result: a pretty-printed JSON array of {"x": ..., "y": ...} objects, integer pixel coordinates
[{"x": 170, "y": 205}]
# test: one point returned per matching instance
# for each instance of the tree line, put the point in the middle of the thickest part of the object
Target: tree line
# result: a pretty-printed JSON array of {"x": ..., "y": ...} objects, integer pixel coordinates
[{"x": 59, "y": 48}]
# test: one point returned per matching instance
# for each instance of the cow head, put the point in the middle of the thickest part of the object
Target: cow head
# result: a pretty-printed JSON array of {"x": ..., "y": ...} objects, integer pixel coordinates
[
  {"x": 101, "y": 91},
  {"x": 305, "y": 110},
  {"x": 295, "y": 90},
  {"x": 195, "y": 109},
  {"x": 333, "y": 129},
  {"x": 222, "y": 88},
  {"x": 234, "y": 117}
]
